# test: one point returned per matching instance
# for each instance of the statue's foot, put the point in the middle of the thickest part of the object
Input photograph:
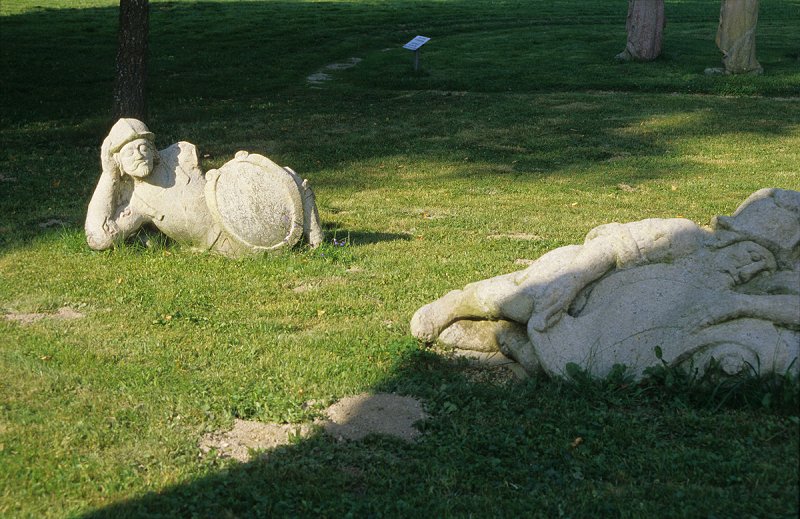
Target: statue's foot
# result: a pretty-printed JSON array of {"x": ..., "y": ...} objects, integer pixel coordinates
[
  {"x": 429, "y": 321},
  {"x": 423, "y": 327}
]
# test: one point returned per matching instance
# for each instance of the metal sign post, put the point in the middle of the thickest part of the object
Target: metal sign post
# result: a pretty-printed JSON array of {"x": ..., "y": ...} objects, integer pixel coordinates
[{"x": 415, "y": 45}]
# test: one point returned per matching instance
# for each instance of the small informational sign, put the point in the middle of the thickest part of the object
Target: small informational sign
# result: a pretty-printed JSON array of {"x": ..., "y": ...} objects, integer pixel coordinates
[{"x": 416, "y": 43}]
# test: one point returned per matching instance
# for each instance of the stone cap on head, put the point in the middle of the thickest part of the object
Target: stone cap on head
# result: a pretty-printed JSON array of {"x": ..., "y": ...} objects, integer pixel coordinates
[{"x": 125, "y": 131}]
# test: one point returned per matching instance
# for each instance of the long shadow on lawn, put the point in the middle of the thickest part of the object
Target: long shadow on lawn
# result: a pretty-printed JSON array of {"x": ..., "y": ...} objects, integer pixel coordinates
[
  {"x": 497, "y": 447},
  {"x": 355, "y": 237}
]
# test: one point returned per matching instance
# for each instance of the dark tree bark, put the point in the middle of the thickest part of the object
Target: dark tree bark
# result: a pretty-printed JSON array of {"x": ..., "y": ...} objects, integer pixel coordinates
[{"x": 129, "y": 88}]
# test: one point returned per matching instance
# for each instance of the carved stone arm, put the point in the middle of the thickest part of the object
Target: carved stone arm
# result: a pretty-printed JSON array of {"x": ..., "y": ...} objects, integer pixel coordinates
[{"x": 107, "y": 221}]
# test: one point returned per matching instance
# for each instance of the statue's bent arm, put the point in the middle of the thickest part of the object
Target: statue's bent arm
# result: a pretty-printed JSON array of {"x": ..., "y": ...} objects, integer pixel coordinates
[{"x": 108, "y": 223}]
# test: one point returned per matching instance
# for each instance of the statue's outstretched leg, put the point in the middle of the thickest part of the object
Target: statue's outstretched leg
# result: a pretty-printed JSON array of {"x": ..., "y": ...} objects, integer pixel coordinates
[
  {"x": 780, "y": 309},
  {"x": 490, "y": 299}
]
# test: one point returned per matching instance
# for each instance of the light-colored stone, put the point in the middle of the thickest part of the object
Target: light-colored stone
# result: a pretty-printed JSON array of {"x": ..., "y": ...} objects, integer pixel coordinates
[
  {"x": 736, "y": 37},
  {"x": 730, "y": 291},
  {"x": 645, "y": 26},
  {"x": 247, "y": 206}
]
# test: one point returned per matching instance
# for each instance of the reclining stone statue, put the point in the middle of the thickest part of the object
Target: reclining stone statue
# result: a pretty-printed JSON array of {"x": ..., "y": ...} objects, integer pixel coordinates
[
  {"x": 247, "y": 206},
  {"x": 643, "y": 293}
]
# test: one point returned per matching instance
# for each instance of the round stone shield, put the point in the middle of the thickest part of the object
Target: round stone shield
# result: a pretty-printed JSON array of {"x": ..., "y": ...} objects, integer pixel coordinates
[{"x": 256, "y": 202}]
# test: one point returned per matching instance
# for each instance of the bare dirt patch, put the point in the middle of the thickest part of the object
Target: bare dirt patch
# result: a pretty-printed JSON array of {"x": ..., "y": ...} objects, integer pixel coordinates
[
  {"x": 516, "y": 236},
  {"x": 64, "y": 313},
  {"x": 248, "y": 435},
  {"x": 351, "y": 418}
]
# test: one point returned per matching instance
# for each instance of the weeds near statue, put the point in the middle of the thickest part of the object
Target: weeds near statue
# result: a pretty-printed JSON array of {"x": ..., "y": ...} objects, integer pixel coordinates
[
  {"x": 248, "y": 206},
  {"x": 641, "y": 293}
]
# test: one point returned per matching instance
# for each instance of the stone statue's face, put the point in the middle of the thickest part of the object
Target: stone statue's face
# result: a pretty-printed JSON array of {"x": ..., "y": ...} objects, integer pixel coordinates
[
  {"x": 744, "y": 260},
  {"x": 770, "y": 222},
  {"x": 136, "y": 158}
]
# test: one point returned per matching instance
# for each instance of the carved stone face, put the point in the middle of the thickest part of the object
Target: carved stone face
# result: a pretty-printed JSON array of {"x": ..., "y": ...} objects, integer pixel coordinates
[
  {"x": 768, "y": 221},
  {"x": 137, "y": 157},
  {"x": 743, "y": 261}
]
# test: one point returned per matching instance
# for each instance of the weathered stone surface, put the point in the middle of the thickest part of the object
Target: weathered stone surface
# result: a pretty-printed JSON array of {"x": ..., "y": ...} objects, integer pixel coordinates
[
  {"x": 645, "y": 26},
  {"x": 736, "y": 37},
  {"x": 730, "y": 292},
  {"x": 248, "y": 206},
  {"x": 256, "y": 201}
]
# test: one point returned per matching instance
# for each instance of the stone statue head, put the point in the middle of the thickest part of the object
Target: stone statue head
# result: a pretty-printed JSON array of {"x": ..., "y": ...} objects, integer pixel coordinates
[
  {"x": 770, "y": 218},
  {"x": 131, "y": 143}
]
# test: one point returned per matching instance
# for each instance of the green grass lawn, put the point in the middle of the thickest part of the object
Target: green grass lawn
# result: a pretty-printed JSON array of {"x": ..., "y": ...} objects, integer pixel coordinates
[{"x": 519, "y": 123}]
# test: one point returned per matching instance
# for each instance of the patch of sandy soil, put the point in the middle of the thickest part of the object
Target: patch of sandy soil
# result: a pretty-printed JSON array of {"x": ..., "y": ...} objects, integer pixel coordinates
[
  {"x": 248, "y": 435},
  {"x": 65, "y": 313},
  {"x": 355, "y": 417},
  {"x": 516, "y": 236},
  {"x": 351, "y": 418}
]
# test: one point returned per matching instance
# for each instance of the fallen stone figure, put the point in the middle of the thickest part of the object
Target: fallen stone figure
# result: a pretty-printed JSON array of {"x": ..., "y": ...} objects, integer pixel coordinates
[
  {"x": 643, "y": 293},
  {"x": 248, "y": 206}
]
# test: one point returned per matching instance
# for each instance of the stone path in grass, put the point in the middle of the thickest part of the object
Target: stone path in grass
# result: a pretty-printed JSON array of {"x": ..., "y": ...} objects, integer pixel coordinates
[{"x": 324, "y": 74}]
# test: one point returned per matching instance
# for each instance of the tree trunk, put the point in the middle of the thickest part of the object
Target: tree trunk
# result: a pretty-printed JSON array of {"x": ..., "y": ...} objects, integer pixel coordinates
[
  {"x": 645, "y": 27},
  {"x": 736, "y": 37},
  {"x": 129, "y": 88}
]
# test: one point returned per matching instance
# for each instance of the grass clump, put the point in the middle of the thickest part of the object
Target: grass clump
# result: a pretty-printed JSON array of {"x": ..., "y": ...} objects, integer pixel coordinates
[{"x": 514, "y": 139}]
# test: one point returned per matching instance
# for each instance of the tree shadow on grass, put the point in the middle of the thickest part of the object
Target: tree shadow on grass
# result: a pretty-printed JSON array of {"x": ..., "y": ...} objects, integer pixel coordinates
[
  {"x": 354, "y": 237},
  {"x": 494, "y": 446}
]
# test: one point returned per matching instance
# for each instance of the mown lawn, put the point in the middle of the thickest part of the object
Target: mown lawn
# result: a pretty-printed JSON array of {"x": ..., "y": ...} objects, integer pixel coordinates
[{"x": 518, "y": 135}]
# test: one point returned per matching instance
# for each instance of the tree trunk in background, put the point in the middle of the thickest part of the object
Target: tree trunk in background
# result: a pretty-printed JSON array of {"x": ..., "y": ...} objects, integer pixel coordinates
[
  {"x": 645, "y": 27},
  {"x": 736, "y": 37},
  {"x": 129, "y": 89}
]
